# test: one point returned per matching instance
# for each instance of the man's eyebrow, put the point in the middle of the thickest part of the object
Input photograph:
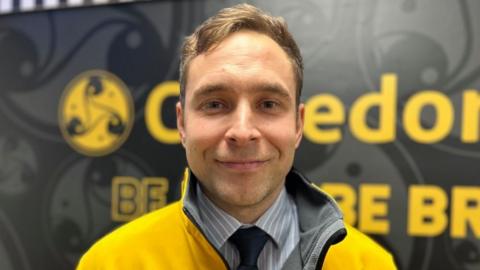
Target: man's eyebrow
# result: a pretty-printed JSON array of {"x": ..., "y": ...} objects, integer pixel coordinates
[
  {"x": 209, "y": 89},
  {"x": 272, "y": 88}
]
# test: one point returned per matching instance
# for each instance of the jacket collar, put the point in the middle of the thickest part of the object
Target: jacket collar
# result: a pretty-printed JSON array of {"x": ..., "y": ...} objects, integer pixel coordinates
[{"x": 320, "y": 220}]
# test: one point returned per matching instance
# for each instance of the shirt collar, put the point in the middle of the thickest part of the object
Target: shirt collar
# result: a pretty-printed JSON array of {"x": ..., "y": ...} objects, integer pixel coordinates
[
  {"x": 218, "y": 224},
  {"x": 279, "y": 213}
]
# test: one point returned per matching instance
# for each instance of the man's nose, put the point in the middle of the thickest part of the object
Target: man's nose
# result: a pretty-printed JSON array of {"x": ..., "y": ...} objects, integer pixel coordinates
[{"x": 243, "y": 129}]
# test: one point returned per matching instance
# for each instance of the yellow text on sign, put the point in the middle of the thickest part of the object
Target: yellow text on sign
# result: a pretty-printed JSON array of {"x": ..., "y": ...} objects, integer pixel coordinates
[
  {"x": 132, "y": 197},
  {"x": 372, "y": 208},
  {"x": 153, "y": 110},
  {"x": 427, "y": 214}
]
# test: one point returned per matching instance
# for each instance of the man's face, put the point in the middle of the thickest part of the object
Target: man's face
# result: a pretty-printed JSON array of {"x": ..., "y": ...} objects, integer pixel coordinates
[{"x": 240, "y": 125}]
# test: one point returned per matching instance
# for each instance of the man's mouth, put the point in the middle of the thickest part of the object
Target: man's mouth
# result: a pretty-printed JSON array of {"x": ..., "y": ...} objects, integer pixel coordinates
[{"x": 242, "y": 164}]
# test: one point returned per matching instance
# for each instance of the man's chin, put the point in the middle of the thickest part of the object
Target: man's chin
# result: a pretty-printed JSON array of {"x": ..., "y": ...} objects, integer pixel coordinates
[{"x": 247, "y": 199}]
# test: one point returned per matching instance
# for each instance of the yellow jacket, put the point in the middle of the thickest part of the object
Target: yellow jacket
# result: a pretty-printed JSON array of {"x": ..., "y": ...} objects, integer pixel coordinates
[{"x": 170, "y": 238}]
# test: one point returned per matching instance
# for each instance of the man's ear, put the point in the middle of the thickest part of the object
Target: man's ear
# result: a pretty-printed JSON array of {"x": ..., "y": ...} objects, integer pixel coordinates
[
  {"x": 300, "y": 123},
  {"x": 180, "y": 121}
]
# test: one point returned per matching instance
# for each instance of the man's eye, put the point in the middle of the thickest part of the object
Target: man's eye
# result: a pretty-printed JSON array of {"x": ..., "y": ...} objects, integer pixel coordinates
[
  {"x": 269, "y": 104},
  {"x": 213, "y": 105}
]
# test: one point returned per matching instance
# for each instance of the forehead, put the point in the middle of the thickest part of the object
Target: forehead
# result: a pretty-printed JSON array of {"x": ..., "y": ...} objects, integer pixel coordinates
[{"x": 244, "y": 57}]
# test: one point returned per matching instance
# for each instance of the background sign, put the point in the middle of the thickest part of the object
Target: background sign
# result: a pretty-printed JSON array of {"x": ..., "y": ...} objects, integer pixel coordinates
[
  {"x": 13, "y": 6},
  {"x": 88, "y": 137}
]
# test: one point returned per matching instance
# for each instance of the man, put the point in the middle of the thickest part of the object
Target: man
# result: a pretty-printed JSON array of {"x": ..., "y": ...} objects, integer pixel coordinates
[{"x": 243, "y": 206}]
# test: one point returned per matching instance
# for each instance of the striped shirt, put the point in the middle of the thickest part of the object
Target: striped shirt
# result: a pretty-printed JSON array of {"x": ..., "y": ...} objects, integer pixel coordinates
[{"x": 280, "y": 222}]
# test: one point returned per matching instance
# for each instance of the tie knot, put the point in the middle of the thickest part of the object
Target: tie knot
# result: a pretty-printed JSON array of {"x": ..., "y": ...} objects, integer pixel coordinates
[{"x": 249, "y": 243}]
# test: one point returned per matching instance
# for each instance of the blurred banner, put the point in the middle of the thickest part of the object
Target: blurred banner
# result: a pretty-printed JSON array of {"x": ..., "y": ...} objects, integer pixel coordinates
[
  {"x": 12, "y": 6},
  {"x": 88, "y": 138}
]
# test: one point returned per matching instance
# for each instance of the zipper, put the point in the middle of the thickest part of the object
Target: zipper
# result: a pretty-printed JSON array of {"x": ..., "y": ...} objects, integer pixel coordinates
[
  {"x": 201, "y": 231},
  {"x": 332, "y": 240}
]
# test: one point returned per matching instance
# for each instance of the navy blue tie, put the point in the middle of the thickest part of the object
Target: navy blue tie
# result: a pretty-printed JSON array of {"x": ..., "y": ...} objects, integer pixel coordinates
[{"x": 249, "y": 243}]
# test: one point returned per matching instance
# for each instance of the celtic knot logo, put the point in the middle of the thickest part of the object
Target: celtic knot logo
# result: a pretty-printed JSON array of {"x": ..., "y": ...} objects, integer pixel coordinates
[{"x": 96, "y": 113}]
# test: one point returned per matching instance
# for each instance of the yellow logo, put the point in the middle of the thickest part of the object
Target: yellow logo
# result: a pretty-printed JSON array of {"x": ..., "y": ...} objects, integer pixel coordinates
[{"x": 96, "y": 113}]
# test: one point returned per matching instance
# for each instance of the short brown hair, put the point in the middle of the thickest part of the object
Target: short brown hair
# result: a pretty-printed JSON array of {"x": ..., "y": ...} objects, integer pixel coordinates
[{"x": 233, "y": 19}]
